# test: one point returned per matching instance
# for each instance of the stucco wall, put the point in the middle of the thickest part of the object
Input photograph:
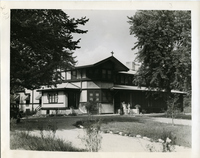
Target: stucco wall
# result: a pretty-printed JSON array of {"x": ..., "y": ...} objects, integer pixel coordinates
[
  {"x": 33, "y": 95},
  {"x": 83, "y": 96},
  {"x": 92, "y": 84},
  {"x": 68, "y": 75},
  {"x": 106, "y": 108}
]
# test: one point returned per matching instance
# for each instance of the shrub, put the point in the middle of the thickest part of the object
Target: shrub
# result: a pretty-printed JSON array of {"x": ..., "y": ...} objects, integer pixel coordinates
[
  {"x": 92, "y": 137},
  {"x": 92, "y": 107},
  {"x": 168, "y": 140},
  {"x": 173, "y": 108}
]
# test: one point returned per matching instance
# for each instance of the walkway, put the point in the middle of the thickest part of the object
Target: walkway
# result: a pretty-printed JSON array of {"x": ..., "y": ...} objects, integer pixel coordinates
[{"x": 111, "y": 142}]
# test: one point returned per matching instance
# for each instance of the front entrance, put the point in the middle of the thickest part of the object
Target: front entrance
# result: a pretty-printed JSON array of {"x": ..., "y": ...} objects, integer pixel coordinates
[
  {"x": 122, "y": 96},
  {"x": 73, "y": 99}
]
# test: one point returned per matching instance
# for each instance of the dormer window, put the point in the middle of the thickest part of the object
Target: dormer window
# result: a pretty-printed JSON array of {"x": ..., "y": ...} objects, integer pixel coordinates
[{"x": 106, "y": 74}]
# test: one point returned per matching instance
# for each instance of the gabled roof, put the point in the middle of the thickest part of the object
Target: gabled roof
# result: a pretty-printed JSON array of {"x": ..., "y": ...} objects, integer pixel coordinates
[{"x": 118, "y": 65}]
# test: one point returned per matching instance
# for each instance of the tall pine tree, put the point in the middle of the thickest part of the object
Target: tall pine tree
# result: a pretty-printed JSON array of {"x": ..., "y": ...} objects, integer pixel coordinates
[{"x": 41, "y": 43}]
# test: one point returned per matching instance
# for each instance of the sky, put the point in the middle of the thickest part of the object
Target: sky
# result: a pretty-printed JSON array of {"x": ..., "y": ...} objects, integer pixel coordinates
[{"x": 108, "y": 30}]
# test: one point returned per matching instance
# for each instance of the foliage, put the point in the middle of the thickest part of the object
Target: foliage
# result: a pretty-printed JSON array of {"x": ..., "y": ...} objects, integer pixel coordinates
[
  {"x": 173, "y": 107},
  {"x": 167, "y": 146},
  {"x": 49, "y": 126},
  {"x": 92, "y": 137},
  {"x": 91, "y": 107},
  {"x": 22, "y": 140},
  {"x": 164, "y": 43},
  {"x": 144, "y": 128},
  {"x": 41, "y": 46}
]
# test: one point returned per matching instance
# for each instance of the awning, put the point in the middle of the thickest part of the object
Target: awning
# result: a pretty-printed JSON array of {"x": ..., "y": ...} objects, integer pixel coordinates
[
  {"x": 27, "y": 97},
  {"x": 38, "y": 97},
  {"x": 135, "y": 88},
  {"x": 17, "y": 98}
]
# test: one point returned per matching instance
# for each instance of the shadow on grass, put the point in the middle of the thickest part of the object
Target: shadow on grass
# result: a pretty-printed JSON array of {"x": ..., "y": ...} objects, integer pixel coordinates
[{"x": 25, "y": 141}]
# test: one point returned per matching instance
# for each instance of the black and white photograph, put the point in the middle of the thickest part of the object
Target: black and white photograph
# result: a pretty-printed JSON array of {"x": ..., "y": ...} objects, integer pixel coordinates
[{"x": 100, "y": 80}]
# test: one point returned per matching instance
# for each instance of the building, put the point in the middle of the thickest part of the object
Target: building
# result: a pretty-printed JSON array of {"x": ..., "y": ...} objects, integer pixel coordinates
[{"x": 107, "y": 82}]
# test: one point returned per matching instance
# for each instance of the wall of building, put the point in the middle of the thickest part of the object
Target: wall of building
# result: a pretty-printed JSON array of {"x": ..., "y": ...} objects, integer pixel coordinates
[
  {"x": 97, "y": 84},
  {"x": 28, "y": 104},
  {"x": 83, "y": 96},
  {"x": 106, "y": 108}
]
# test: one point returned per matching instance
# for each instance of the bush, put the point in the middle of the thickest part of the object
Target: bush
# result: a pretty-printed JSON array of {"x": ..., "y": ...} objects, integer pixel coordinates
[
  {"x": 168, "y": 140},
  {"x": 92, "y": 137},
  {"x": 92, "y": 107}
]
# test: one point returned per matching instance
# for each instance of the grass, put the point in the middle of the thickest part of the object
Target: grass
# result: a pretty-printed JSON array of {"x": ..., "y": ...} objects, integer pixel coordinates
[
  {"x": 153, "y": 130},
  {"x": 179, "y": 116},
  {"x": 138, "y": 125},
  {"x": 25, "y": 141}
]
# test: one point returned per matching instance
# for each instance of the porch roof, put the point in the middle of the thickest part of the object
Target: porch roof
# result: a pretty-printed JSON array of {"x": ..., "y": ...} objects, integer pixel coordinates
[
  {"x": 38, "y": 97},
  {"x": 62, "y": 86},
  {"x": 122, "y": 87},
  {"x": 17, "y": 98},
  {"x": 136, "y": 88}
]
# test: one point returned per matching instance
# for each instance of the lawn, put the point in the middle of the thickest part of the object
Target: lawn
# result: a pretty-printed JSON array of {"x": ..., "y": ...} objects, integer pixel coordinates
[
  {"x": 138, "y": 125},
  {"x": 179, "y": 116},
  {"x": 25, "y": 141}
]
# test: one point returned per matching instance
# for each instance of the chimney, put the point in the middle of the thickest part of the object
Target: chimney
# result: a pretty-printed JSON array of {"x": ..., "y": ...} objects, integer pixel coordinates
[{"x": 131, "y": 65}]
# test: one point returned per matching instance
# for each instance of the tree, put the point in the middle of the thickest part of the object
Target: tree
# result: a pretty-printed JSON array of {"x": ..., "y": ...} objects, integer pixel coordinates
[
  {"x": 41, "y": 45},
  {"x": 164, "y": 44}
]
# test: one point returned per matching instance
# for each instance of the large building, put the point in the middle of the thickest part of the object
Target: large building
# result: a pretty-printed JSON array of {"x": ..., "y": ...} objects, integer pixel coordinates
[{"x": 107, "y": 82}]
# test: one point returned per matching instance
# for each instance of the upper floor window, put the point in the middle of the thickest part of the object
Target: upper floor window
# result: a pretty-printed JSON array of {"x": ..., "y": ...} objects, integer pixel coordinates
[
  {"x": 106, "y": 74},
  {"x": 53, "y": 97},
  {"x": 74, "y": 74}
]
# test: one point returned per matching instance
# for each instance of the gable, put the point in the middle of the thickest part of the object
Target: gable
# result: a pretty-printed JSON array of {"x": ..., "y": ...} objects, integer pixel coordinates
[{"x": 110, "y": 62}]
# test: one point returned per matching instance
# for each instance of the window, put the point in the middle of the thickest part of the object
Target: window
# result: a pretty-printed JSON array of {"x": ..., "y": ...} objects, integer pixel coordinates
[
  {"x": 53, "y": 97},
  {"x": 122, "y": 79},
  {"x": 103, "y": 74},
  {"x": 117, "y": 79},
  {"x": 109, "y": 73},
  {"x": 126, "y": 79},
  {"x": 106, "y": 96},
  {"x": 106, "y": 74},
  {"x": 94, "y": 95},
  {"x": 74, "y": 74},
  {"x": 27, "y": 103}
]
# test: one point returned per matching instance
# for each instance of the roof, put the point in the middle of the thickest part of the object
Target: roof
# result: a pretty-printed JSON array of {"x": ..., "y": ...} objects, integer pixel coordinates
[
  {"x": 131, "y": 72},
  {"x": 38, "y": 97},
  {"x": 62, "y": 86},
  {"x": 136, "y": 88},
  {"x": 122, "y": 87},
  {"x": 120, "y": 66}
]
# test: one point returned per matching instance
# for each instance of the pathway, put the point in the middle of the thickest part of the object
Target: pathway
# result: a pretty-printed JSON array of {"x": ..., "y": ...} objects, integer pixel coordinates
[{"x": 110, "y": 142}]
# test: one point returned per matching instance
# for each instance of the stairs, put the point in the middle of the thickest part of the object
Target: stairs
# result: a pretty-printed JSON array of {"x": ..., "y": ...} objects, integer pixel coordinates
[{"x": 38, "y": 108}]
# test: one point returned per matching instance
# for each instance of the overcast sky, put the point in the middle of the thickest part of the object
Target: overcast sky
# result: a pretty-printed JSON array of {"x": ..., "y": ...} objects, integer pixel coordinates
[{"x": 108, "y": 31}]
